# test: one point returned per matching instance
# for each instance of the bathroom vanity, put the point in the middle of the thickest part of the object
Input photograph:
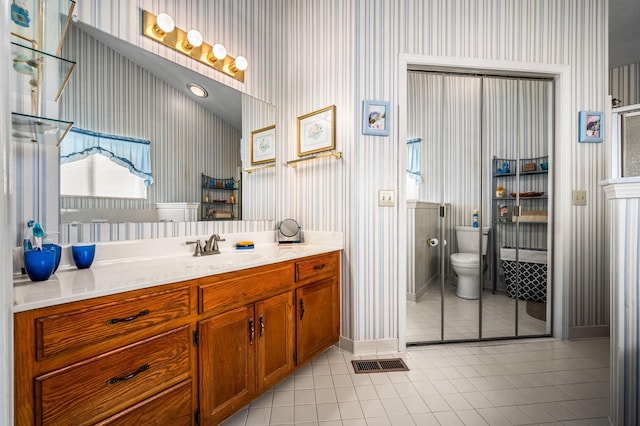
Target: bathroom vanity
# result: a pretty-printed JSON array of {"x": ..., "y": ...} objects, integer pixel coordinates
[{"x": 169, "y": 350}]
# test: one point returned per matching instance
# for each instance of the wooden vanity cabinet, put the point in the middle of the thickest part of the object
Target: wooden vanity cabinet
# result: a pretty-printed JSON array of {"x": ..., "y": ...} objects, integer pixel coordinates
[{"x": 187, "y": 353}]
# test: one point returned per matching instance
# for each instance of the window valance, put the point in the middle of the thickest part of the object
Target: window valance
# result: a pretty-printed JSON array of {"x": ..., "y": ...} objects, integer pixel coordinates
[{"x": 132, "y": 153}]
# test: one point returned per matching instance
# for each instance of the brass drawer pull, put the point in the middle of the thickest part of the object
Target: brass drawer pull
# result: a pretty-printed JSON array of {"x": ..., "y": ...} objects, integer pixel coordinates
[
  {"x": 319, "y": 267},
  {"x": 261, "y": 326},
  {"x": 127, "y": 319},
  {"x": 128, "y": 376}
]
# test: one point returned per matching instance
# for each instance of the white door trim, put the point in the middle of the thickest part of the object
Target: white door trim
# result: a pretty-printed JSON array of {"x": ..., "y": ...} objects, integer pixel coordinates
[{"x": 561, "y": 155}]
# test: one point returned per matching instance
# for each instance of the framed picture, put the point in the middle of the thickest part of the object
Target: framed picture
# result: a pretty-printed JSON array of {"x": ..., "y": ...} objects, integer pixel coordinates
[
  {"x": 263, "y": 145},
  {"x": 316, "y": 131},
  {"x": 375, "y": 118},
  {"x": 590, "y": 126}
]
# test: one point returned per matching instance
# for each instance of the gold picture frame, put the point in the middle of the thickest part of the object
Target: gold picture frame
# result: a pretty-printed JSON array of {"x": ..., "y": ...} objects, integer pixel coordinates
[
  {"x": 263, "y": 145},
  {"x": 316, "y": 131}
]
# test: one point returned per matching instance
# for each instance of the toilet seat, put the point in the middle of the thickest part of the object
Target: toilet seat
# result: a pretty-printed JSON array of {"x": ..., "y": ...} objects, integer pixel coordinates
[{"x": 465, "y": 258}]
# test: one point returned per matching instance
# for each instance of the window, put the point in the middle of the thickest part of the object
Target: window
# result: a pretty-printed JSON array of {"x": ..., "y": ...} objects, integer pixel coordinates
[
  {"x": 97, "y": 176},
  {"x": 101, "y": 165}
]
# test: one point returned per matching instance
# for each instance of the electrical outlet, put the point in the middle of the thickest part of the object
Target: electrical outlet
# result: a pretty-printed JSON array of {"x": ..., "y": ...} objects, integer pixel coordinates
[
  {"x": 386, "y": 198},
  {"x": 579, "y": 198}
]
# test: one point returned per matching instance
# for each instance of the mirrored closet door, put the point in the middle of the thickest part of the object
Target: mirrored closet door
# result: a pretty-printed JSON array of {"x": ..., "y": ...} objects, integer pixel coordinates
[{"x": 484, "y": 191}]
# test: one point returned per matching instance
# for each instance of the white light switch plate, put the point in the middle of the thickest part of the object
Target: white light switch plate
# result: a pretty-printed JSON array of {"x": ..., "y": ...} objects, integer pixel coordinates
[
  {"x": 579, "y": 198},
  {"x": 386, "y": 197}
]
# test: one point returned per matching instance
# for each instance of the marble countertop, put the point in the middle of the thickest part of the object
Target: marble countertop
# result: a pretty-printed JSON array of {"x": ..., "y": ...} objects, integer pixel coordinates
[{"x": 107, "y": 277}]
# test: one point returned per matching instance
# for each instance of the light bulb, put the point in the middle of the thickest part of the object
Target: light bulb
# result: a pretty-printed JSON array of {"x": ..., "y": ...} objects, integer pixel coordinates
[
  {"x": 219, "y": 51},
  {"x": 241, "y": 63},
  {"x": 164, "y": 23},
  {"x": 194, "y": 38}
]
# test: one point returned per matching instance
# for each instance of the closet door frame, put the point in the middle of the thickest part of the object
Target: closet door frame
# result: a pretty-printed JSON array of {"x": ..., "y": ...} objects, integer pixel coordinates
[{"x": 562, "y": 123}]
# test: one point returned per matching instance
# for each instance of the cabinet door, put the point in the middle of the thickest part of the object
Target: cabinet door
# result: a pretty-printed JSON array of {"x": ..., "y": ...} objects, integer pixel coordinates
[
  {"x": 226, "y": 361},
  {"x": 275, "y": 348},
  {"x": 317, "y": 312}
]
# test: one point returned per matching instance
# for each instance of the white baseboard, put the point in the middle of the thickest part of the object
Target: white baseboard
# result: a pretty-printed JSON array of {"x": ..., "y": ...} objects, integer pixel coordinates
[
  {"x": 369, "y": 347},
  {"x": 414, "y": 297}
]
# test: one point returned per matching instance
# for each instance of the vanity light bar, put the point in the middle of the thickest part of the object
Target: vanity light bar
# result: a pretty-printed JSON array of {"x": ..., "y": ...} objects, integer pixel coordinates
[{"x": 178, "y": 41}]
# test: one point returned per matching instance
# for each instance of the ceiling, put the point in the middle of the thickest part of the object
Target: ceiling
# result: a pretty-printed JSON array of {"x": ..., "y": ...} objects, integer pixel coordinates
[{"x": 624, "y": 32}]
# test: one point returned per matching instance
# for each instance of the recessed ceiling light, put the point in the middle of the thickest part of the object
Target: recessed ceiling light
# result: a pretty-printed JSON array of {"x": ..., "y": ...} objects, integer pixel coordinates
[{"x": 197, "y": 90}]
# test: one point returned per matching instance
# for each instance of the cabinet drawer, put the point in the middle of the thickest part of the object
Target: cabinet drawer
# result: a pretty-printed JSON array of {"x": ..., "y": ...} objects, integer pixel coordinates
[
  {"x": 170, "y": 407},
  {"x": 74, "y": 329},
  {"x": 245, "y": 288},
  {"x": 317, "y": 267},
  {"x": 100, "y": 387}
]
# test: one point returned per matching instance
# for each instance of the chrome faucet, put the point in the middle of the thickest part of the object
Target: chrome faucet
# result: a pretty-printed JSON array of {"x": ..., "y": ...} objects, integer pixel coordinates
[{"x": 211, "y": 247}]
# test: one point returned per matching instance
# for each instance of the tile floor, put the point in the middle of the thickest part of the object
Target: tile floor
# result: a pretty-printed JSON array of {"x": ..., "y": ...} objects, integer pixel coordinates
[
  {"x": 462, "y": 319},
  {"x": 533, "y": 381}
]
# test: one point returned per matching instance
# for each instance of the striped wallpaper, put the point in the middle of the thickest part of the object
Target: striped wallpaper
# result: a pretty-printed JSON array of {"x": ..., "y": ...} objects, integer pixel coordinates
[
  {"x": 304, "y": 56},
  {"x": 624, "y": 84},
  {"x": 533, "y": 31},
  {"x": 74, "y": 232}
]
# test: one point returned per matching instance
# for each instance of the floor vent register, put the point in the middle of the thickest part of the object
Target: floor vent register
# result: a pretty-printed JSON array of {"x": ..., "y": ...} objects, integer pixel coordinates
[{"x": 379, "y": 365}]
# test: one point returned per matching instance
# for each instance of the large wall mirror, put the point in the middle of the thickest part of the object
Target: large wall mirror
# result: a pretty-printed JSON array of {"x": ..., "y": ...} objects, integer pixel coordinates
[{"x": 121, "y": 89}]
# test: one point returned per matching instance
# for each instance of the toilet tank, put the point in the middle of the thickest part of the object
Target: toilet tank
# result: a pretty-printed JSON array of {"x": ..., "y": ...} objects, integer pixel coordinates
[{"x": 467, "y": 238}]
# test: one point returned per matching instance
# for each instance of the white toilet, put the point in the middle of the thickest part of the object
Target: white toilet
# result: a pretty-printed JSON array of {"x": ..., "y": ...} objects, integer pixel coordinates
[{"x": 466, "y": 263}]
